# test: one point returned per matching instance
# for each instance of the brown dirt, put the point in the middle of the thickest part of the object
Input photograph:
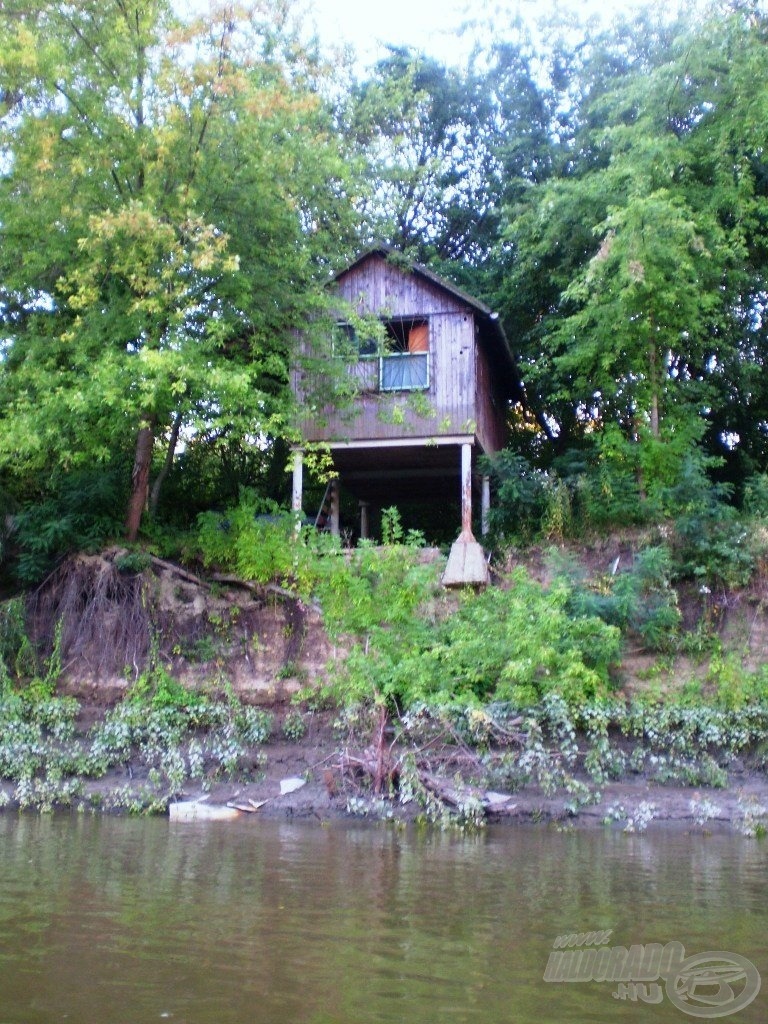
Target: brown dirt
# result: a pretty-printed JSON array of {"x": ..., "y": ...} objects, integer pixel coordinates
[
  {"x": 325, "y": 796},
  {"x": 225, "y": 635},
  {"x": 257, "y": 642},
  {"x": 336, "y": 769},
  {"x": 263, "y": 646}
]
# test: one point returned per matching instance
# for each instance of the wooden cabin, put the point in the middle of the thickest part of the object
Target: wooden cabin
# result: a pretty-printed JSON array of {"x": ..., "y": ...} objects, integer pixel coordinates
[{"x": 433, "y": 391}]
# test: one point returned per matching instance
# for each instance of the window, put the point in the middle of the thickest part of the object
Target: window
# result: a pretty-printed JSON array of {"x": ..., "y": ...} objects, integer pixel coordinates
[
  {"x": 405, "y": 363},
  {"x": 347, "y": 342},
  {"x": 406, "y": 366}
]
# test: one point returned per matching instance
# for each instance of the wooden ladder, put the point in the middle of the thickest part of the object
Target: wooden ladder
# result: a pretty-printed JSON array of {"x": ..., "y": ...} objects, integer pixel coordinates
[{"x": 323, "y": 517}]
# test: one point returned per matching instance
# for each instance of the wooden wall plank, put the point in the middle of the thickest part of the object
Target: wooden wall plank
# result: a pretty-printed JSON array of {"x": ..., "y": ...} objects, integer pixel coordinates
[{"x": 450, "y": 405}]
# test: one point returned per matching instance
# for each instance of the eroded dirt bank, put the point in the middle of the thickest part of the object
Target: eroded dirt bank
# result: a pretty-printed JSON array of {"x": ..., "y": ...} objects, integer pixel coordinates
[
  {"x": 114, "y": 622},
  {"x": 334, "y": 771}
]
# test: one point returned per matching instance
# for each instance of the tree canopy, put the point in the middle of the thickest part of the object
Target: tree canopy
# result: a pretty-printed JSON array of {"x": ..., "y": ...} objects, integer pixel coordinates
[
  {"x": 169, "y": 197},
  {"x": 175, "y": 193}
]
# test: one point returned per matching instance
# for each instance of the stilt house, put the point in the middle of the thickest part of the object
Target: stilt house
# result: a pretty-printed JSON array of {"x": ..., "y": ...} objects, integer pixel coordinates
[{"x": 433, "y": 393}]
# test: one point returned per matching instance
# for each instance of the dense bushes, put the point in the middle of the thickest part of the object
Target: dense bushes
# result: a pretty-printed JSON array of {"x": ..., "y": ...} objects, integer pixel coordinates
[
  {"x": 415, "y": 642},
  {"x": 587, "y": 492},
  {"x": 80, "y": 512},
  {"x": 513, "y": 644},
  {"x": 640, "y": 600}
]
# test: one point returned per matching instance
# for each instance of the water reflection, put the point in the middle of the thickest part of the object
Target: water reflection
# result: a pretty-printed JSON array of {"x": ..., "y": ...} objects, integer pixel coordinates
[{"x": 110, "y": 920}]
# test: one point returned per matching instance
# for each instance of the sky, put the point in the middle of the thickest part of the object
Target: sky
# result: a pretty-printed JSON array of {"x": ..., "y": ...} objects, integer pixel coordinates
[
  {"x": 434, "y": 26},
  {"x": 440, "y": 28}
]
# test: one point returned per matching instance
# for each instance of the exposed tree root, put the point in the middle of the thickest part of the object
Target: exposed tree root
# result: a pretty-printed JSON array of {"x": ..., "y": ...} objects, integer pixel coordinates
[
  {"x": 105, "y": 615},
  {"x": 118, "y": 612}
]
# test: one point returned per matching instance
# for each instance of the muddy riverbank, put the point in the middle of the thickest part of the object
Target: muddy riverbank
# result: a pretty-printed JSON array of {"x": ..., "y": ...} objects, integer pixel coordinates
[{"x": 229, "y": 761}]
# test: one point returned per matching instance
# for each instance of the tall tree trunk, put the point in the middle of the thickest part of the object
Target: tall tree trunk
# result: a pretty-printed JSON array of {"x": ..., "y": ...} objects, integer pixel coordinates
[
  {"x": 654, "y": 376},
  {"x": 140, "y": 478},
  {"x": 154, "y": 496}
]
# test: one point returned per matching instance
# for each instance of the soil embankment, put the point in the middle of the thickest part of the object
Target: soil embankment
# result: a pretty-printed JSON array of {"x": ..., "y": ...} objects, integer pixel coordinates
[{"x": 114, "y": 619}]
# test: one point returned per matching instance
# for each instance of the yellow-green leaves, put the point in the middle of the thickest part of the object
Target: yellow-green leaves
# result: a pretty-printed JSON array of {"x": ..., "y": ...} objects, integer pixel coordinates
[
  {"x": 166, "y": 194},
  {"x": 163, "y": 266}
]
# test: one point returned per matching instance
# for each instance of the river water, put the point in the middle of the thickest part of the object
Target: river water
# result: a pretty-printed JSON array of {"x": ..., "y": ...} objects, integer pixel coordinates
[{"x": 116, "y": 921}]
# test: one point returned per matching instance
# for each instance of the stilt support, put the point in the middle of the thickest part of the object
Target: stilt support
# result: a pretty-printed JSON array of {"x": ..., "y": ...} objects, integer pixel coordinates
[
  {"x": 297, "y": 496},
  {"x": 466, "y": 563},
  {"x": 335, "y": 523}
]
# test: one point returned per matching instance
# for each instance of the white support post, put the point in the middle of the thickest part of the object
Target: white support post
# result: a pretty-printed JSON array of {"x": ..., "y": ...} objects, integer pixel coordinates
[
  {"x": 485, "y": 505},
  {"x": 466, "y": 491},
  {"x": 297, "y": 496},
  {"x": 466, "y": 563}
]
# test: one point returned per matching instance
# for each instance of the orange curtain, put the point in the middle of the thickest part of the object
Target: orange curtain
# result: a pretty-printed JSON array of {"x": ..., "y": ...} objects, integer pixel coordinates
[{"x": 418, "y": 338}]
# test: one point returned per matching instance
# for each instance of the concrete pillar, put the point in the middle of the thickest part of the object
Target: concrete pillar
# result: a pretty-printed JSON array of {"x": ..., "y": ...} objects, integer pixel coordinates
[
  {"x": 365, "y": 529},
  {"x": 466, "y": 491},
  {"x": 466, "y": 563},
  {"x": 335, "y": 515},
  {"x": 485, "y": 505},
  {"x": 297, "y": 496}
]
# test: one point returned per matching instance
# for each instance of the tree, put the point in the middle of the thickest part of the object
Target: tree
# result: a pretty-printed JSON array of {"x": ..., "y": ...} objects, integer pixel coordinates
[
  {"x": 637, "y": 269},
  {"x": 167, "y": 196},
  {"x": 443, "y": 145}
]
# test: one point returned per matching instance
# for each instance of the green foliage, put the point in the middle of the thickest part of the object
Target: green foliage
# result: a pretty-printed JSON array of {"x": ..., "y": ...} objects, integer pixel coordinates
[
  {"x": 572, "y": 751},
  {"x": 639, "y": 600},
  {"x": 558, "y": 514},
  {"x": 520, "y": 496},
  {"x": 391, "y": 526},
  {"x": 583, "y": 490},
  {"x": 375, "y": 589},
  {"x": 14, "y": 644},
  {"x": 82, "y": 512},
  {"x": 196, "y": 181},
  {"x": 393, "y": 532},
  {"x": 133, "y": 562},
  {"x": 711, "y": 543},
  {"x": 604, "y": 191},
  {"x": 294, "y": 726},
  {"x": 173, "y": 743},
  {"x": 503, "y": 644},
  {"x": 608, "y": 491},
  {"x": 755, "y": 498},
  {"x": 407, "y": 118},
  {"x": 157, "y": 688},
  {"x": 255, "y": 537},
  {"x": 735, "y": 688},
  {"x": 254, "y": 724},
  {"x": 634, "y": 253},
  {"x": 19, "y": 663}
]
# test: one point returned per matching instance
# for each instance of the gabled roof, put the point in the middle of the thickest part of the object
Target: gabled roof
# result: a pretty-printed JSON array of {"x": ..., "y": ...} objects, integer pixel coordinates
[{"x": 488, "y": 320}]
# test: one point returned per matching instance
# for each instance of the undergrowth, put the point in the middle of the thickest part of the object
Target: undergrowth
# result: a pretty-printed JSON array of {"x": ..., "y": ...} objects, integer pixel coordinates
[
  {"x": 514, "y": 686},
  {"x": 446, "y": 759},
  {"x": 158, "y": 748}
]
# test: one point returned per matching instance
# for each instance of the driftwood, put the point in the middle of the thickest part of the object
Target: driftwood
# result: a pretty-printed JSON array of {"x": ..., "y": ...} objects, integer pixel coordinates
[
  {"x": 455, "y": 796},
  {"x": 440, "y": 764},
  {"x": 176, "y": 570},
  {"x": 255, "y": 588},
  {"x": 445, "y": 791}
]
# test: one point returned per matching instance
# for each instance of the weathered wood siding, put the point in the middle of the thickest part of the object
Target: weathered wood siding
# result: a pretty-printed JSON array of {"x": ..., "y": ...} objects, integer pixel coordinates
[
  {"x": 490, "y": 402},
  {"x": 448, "y": 407}
]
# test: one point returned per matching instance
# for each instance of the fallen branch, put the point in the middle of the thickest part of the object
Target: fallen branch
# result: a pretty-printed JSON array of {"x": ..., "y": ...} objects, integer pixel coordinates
[
  {"x": 176, "y": 570},
  {"x": 255, "y": 588}
]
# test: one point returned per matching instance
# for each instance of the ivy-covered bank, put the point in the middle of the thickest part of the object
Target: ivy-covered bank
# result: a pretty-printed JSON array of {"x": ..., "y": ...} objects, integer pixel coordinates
[
  {"x": 622, "y": 764},
  {"x": 598, "y": 683}
]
